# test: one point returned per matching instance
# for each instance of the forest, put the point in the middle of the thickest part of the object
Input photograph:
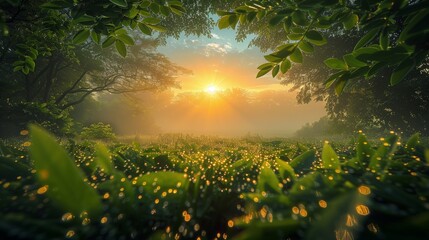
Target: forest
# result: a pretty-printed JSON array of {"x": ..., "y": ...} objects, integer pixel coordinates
[{"x": 214, "y": 119}]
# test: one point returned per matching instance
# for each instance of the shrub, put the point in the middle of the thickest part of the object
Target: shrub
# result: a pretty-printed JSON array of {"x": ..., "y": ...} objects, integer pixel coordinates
[{"x": 99, "y": 131}]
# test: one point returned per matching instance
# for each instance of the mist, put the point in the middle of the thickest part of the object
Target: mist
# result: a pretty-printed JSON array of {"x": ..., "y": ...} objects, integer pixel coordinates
[{"x": 230, "y": 112}]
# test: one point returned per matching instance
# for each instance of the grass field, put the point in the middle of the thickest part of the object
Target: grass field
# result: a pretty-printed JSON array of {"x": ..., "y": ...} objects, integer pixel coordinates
[{"x": 214, "y": 188}]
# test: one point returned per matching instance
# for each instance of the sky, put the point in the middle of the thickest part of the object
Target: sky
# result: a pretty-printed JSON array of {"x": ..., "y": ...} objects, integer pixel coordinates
[{"x": 206, "y": 102}]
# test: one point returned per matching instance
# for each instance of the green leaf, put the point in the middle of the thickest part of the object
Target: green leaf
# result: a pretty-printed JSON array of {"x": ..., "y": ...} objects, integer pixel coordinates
[
  {"x": 328, "y": 82},
  {"x": 275, "y": 70},
  {"x": 374, "y": 69},
  {"x": 413, "y": 141},
  {"x": 299, "y": 18},
  {"x": 363, "y": 149},
  {"x": 125, "y": 39},
  {"x": 330, "y": 158},
  {"x": 120, "y": 3},
  {"x": 284, "y": 50},
  {"x": 296, "y": 56},
  {"x": 163, "y": 180},
  {"x": 315, "y": 38},
  {"x": 306, "y": 46},
  {"x": 336, "y": 63},
  {"x": 401, "y": 71},
  {"x": 233, "y": 20},
  {"x": 95, "y": 37},
  {"x": 81, "y": 36},
  {"x": 350, "y": 21},
  {"x": 295, "y": 36},
  {"x": 85, "y": 19},
  {"x": 151, "y": 21},
  {"x": 272, "y": 58},
  {"x": 178, "y": 10},
  {"x": 276, "y": 19},
  {"x": 224, "y": 22},
  {"x": 108, "y": 42},
  {"x": 60, "y": 174},
  {"x": 120, "y": 47},
  {"x": 30, "y": 63},
  {"x": 417, "y": 24},
  {"x": 157, "y": 28},
  {"x": 367, "y": 38},
  {"x": 285, "y": 170},
  {"x": 384, "y": 40},
  {"x": 145, "y": 29},
  {"x": 340, "y": 85},
  {"x": 351, "y": 61},
  {"x": 379, "y": 159},
  {"x": 133, "y": 12},
  {"x": 365, "y": 53},
  {"x": 266, "y": 66},
  {"x": 267, "y": 180},
  {"x": 335, "y": 217},
  {"x": 103, "y": 158},
  {"x": 262, "y": 72},
  {"x": 303, "y": 161},
  {"x": 285, "y": 66}
]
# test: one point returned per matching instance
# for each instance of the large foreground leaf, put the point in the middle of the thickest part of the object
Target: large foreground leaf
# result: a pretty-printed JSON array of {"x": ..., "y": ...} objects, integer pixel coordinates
[{"x": 57, "y": 172}]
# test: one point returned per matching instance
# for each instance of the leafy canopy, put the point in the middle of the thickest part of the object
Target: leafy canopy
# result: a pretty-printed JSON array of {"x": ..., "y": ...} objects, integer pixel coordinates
[{"x": 395, "y": 34}]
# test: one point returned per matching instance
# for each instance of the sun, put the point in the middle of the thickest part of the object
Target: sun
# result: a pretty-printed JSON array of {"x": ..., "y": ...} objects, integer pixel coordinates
[{"x": 212, "y": 89}]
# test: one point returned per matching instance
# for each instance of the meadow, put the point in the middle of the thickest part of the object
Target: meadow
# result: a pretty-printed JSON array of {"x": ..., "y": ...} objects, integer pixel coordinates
[{"x": 181, "y": 187}]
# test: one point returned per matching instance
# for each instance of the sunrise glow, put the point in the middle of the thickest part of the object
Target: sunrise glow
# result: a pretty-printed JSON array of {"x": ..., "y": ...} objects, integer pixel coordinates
[{"x": 212, "y": 89}]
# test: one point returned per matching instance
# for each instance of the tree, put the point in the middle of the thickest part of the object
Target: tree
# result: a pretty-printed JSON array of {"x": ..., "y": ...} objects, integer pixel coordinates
[
  {"x": 395, "y": 34},
  {"x": 45, "y": 70},
  {"x": 370, "y": 103}
]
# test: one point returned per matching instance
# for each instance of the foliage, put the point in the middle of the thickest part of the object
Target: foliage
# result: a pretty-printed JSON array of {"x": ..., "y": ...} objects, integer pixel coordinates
[
  {"x": 16, "y": 115},
  {"x": 99, "y": 131},
  {"x": 205, "y": 187},
  {"x": 395, "y": 35}
]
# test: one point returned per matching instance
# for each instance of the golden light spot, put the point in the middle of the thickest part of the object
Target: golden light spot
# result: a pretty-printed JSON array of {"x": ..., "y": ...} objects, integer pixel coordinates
[
  {"x": 86, "y": 221},
  {"x": 295, "y": 210},
  {"x": 186, "y": 216},
  {"x": 323, "y": 204},
  {"x": 230, "y": 223},
  {"x": 263, "y": 212},
  {"x": 364, "y": 190},
  {"x": 103, "y": 220},
  {"x": 6, "y": 185},
  {"x": 255, "y": 199},
  {"x": 196, "y": 227},
  {"x": 26, "y": 144},
  {"x": 67, "y": 217},
  {"x": 106, "y": 195},
  {"x": 24, "y": 132},
  {"x": 156, "y": 201},
  {"x": 139, "y": 196},
  {"x": 350, "y": 220},
  {"x": 362, "y": 210},
  {"x": 168, "y": 229},
  {"x": 123, "y": 179},
  {"x": 70, "y": 234},
  {"x": 343, "y": 235},
  {"x": 42, "y": 190},
  {"x": 303, "y": 213},
  {"x": 164, "y": 194}
]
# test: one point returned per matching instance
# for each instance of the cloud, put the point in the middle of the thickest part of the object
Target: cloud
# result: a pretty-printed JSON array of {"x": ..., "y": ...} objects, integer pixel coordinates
[
  {"x": 214, "y": 35},
  {"x": 213, "y": 48}
]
